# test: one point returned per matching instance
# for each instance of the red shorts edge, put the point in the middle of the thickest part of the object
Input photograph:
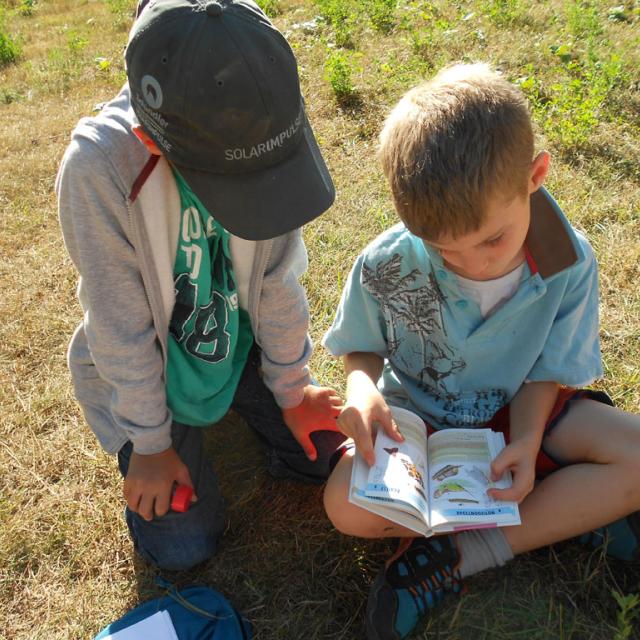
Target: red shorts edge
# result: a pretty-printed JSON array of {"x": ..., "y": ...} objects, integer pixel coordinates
[{"x": 545, "y": 464}]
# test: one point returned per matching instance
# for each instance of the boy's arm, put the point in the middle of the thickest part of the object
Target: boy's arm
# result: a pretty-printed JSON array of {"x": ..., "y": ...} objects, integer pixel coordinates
[
  {"x": 528, "y": 414},
  {"x": 365, "y": 404},
  {"x": 571, "y": 356},
  {"x": 282, "y": 324},
  {"x": 282, "y": 333},
  {"x": 121, "y": 338},
  {"x": 150, "y": 479}
]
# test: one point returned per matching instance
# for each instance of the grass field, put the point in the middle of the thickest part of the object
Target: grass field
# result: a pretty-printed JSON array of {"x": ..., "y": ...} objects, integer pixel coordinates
[{"x": 66, "y": 563}]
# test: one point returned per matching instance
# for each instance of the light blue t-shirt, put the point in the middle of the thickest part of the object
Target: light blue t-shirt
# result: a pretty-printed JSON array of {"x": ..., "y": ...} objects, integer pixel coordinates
[{"x": 443, "y": 360}]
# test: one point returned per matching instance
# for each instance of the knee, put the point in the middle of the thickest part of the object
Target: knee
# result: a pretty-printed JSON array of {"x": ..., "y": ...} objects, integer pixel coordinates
[
  {"x": 632, "y": 473},
  {"x": 337, "y": 506},
  {"x": 178, "y": 541},
  {"x": 330, "y": 501},
  {"x": 628, "y": 454},
  {"x": 180, "y": 557}
]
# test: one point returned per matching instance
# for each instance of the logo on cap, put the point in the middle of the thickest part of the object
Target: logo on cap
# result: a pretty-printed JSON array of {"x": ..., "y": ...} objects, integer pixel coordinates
[{"x": 152, "y": 92}]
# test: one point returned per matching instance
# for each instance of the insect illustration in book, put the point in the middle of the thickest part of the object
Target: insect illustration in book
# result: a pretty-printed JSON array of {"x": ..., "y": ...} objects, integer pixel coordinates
[
  {"x": 446, "y": 472},
  {"x": 450, "y": 487},
  {"x": 411, "y": 469},
  {"x": 480, "y": 476}
]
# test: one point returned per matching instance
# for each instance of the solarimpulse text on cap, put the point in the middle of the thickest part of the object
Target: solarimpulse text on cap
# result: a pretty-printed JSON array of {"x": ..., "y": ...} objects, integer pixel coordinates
[{"x": 245, "y": 153}]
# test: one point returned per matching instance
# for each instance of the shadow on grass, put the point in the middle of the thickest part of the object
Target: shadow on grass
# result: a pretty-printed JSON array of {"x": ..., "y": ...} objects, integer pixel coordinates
[
  {"x": 281, "y": 564},
  {"x": 351, "y": 103}
]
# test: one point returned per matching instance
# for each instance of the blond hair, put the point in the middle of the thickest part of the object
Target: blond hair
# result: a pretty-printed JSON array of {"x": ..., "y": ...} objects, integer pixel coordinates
[{"x": 452, "y": 143}]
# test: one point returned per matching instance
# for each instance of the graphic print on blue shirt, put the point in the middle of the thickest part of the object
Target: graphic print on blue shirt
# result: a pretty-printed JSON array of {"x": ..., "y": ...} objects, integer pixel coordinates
[
  {"x": 417, "y": 311},
  {"x": 445, "y": 360}
]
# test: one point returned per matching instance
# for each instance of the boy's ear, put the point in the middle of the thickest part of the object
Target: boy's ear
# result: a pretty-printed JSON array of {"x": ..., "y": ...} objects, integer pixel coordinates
[
  {"x": 539, "y": 171},
  {"x": 139, "y": 133}
]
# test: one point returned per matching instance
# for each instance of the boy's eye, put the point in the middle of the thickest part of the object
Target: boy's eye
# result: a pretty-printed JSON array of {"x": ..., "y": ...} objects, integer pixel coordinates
[{"x": 494, "y": 241}]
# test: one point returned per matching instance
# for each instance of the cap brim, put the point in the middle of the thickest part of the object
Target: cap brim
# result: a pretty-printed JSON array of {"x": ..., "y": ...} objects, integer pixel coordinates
[{"x": 265, "y": 204}]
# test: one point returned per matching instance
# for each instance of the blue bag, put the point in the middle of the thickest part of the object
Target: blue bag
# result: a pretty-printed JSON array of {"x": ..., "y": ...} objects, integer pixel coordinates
[{"x": 197, "y": 613}]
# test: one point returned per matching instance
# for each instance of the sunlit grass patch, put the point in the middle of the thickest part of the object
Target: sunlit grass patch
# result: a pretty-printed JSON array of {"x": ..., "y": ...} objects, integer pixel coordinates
[
  {"x": 67, "y": 566},
  {"x": 9, "y": 46},
  {"x": 271, "y": 7}
]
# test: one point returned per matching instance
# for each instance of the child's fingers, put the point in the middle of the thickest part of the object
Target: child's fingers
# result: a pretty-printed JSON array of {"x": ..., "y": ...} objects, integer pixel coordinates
[
  {"x": 517, "y": 493},
  {"x": 162, "y": 502},
  {"x": 145, "y": 507},
  {"x": 353, "y": 425},
  {"x": 132, "y": 498},
  {"x": 307, "y": 445},
  {"x": 500, "y": 464},
  {"x": 389, "y": 425},
  {"x": 183, "y": 477},
  {"x": 364, "y": 445},
  {"x": 364, "y": 442},
  {"x": 335, "y": 401},
  {"x": 395, "y": 434},
  {"x": 523, "y": 483},
  {"x": 503, "y": 494}
]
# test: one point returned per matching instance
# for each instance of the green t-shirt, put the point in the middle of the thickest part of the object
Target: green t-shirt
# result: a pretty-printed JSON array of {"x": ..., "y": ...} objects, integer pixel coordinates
[{"x": 209, "y": 335}]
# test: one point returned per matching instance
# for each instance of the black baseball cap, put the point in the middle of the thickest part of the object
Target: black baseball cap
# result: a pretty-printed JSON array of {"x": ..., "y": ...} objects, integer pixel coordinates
[{"x": 216, "y": 86}]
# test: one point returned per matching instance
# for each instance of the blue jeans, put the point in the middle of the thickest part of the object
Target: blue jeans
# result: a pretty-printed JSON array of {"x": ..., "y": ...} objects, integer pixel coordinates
[{"x": 182, "y": 540}]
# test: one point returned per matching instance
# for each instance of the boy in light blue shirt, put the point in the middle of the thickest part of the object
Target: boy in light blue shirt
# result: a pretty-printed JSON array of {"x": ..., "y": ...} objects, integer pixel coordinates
[{"x": 481, "y": 309}]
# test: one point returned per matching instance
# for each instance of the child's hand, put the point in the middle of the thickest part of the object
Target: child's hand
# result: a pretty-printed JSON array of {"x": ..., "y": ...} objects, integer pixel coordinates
[
  {"x": 150, "y": 480},
  {"x": 318, "y": 411},
  {"x": 520, "y": 458},
  {"x": 364, "y": 407}
]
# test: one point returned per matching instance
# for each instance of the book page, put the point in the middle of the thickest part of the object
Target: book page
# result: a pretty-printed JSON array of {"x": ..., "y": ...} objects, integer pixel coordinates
[
  {"x": 158, "y": 626},
  {"x": 459, "y": 476},
  {"x": 393, "y": 510},
  {"x": 400, "y": 469}
]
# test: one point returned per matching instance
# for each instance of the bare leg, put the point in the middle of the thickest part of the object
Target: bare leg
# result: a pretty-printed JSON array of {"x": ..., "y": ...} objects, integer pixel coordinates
[
  {"x": 601, "y": 446},
  {"x": 600, "y": 484},
  {"x": 349, "y": 518}
]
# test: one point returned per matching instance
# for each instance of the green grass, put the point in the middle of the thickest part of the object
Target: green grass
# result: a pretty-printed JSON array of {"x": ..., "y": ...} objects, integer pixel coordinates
[
  {"x": 270, "y": 7},
  {"x": 9, "y": 46},
  {"x": 339, "y": 74},
  {"x": 66, "y": 564}
]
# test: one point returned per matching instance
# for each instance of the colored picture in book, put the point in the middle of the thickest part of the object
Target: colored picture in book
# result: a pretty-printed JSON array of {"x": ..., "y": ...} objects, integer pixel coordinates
[
  {"x": 401, "y": 462},
  {"x": 462, "y": 484}
]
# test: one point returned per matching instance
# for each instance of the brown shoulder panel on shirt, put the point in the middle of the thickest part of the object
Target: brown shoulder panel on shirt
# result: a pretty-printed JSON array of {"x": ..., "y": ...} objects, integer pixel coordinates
[{"x": 547, "y": 239}]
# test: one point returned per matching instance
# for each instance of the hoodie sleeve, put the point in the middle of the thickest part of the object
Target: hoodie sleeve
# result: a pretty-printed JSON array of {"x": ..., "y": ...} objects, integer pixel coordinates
[
  {"x": 283, "y": 313},
  {"x": 120, "y": 335}
]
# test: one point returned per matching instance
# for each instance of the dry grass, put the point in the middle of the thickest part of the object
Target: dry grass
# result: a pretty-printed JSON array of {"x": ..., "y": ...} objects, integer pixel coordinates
[{"x": 66, "y": 564}]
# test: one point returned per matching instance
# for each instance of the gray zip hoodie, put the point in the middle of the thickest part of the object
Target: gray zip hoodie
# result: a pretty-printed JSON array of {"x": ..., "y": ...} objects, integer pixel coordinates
[{"x": 120, "y": 211}]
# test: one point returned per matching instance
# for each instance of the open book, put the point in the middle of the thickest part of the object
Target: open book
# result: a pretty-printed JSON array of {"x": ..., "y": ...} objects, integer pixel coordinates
[{"x": 433, "y": 484}]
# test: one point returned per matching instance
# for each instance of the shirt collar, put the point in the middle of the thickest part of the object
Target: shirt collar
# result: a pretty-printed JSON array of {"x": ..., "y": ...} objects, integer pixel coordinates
[
  {"x": 550, "y": 240},
  {"x": 551, "y": 243}
]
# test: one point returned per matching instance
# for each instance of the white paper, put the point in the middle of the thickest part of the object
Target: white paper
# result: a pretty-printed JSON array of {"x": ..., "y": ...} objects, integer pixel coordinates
[{"x": 158, "y": 626}]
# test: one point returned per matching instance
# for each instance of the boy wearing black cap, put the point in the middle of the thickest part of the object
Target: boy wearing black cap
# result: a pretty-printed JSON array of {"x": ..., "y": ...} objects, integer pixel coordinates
[{"x": 181, "y": 205}]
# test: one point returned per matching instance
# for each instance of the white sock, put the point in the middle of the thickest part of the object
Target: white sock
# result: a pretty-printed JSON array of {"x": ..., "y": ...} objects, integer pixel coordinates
[{"x": 482, "y": 549}]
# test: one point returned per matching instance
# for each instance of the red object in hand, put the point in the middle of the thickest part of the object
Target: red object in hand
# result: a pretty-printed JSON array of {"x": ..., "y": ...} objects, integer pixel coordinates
[{"x": 181, "y": 498}]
